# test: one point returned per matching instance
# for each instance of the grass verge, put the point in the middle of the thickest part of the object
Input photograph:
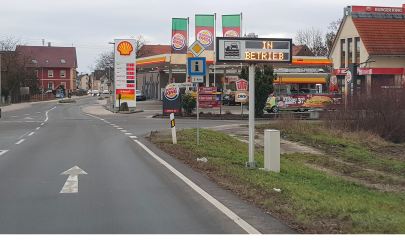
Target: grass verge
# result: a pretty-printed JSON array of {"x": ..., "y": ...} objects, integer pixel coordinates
[{"x": 310, "y": 201}]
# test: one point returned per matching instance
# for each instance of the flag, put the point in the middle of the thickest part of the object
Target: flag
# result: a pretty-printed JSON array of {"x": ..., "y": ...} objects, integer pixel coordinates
[
  {"x": 231, "y": 25},
  {"x": 179, "y": 41},
  {"x": 204, "y": 30},
  {"x": 179, "y": 35}
]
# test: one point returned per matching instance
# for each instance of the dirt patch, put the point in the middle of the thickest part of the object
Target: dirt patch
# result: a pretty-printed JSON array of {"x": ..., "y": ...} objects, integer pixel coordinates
[{"x": 394, "y": 152}]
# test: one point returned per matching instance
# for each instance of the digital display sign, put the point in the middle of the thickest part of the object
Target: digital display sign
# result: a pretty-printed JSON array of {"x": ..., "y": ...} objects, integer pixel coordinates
[{"x": 255, "y": 50}]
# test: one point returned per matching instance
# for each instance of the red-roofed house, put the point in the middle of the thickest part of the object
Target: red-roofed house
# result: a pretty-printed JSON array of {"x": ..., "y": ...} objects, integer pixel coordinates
[
  {"x": 374, "y": 39},
  {"x": 56, "y": 66}
]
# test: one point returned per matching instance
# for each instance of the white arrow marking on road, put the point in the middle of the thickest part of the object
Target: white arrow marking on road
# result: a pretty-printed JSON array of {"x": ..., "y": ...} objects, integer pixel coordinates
[
  {"x": 72, "y": 183},
  {"x": 3, "y": 152}
]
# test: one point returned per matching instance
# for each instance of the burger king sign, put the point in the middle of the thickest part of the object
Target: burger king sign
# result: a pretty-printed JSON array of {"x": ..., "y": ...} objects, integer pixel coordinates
[
  {"x": 205, "y": 37},
  {"x": 171, "y": 92},
  {"x": 178, "y": 41}
]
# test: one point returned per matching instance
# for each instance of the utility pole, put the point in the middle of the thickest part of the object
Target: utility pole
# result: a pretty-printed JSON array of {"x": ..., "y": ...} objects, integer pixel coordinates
[{"x": 1, "y": 101}]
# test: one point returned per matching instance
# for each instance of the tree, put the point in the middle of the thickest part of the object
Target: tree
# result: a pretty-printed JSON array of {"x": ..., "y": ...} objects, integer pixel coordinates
[
  {"x": 264, "y": 78},
  {"x": 331, "y": 33},
  {"x": 314, "y": 39},
  {"x": 15, "y": 70},
  {"x": 105, "y": 60}
]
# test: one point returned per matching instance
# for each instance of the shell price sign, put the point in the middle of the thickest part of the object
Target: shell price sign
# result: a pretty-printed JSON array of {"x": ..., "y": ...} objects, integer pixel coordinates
[{"x": 125, "y": 71}]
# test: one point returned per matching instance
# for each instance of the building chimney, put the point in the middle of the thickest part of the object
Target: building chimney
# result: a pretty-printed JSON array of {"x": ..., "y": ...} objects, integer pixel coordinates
[{"x": 49, "y": 44}]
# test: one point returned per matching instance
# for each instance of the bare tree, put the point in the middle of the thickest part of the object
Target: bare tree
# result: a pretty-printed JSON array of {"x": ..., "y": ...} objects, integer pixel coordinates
[
  {"x": 16, "y": 69},
  {"x": 331, "y": 33},
  {"x": 141, "y": 51},
  {"x": 314, "y": 39}
]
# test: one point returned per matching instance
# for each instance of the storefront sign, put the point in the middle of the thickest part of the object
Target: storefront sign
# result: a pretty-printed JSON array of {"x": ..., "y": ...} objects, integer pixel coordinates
[
  {"x": 258, "y": 50},
  {"x": 171, "y": 92},
  {"x": 369, "y": 9},
  {"x": 207, "y": 90},
  {"x": 241, "y": 96},
  {"x": 242, "y": 85}
]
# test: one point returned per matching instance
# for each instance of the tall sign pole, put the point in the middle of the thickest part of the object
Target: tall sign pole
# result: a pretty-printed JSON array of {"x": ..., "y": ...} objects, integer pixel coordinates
[
  {"x": 253, "y": 51},
  {"x": 251, "y": 162}
]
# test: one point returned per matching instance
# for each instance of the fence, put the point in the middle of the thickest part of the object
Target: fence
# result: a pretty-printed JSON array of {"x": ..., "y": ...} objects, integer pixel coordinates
[{"x": 29, "y": 98}]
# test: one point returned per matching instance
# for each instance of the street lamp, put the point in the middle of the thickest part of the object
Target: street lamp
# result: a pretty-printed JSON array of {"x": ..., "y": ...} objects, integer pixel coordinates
[{"x": 114, "y": 83}]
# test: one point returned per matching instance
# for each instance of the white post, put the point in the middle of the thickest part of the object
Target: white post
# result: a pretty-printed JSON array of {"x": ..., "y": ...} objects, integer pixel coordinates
[
  {"x": 173, "y": 126},
  {"x": 251, "y": 162},
  {"x": 272, "y": 150}
]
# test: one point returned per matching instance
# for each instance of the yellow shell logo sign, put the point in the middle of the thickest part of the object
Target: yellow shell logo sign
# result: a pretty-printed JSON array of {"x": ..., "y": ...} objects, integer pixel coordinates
[{"x": 125, "y": 48}]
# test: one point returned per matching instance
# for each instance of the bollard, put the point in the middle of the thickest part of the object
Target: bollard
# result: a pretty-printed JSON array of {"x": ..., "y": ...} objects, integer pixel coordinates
[
  {"x": 272, "y": 150},
  {"x": 173, "y": 126}
]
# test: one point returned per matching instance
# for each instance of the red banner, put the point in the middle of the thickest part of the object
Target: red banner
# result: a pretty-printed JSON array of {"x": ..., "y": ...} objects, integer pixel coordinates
[
  {"x": 207, "y": 90},
  {"x": 206, "y": 37}
]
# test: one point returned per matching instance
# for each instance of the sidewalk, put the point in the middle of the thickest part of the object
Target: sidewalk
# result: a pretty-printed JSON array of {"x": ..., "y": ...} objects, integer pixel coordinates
[{"x": 18, "y": 106}]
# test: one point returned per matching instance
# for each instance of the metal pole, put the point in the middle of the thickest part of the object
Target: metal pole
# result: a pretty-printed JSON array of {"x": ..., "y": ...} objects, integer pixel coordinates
[
  {"x": 198, "y": 118},
  {"x": 251, "y": 162},
  {"x": 1, "y": 101},
  {"x": 42, "y": 78}
]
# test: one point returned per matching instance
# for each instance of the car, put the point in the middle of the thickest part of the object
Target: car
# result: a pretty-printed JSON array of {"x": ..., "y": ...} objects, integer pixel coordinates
[
  {"x": 49, "y": 91},
  {"x": 140, "y": 96},
  {"x": 229, "y": 99},
  {"x": 106, "y": 92},
  {"x": 89, "y": 92},
  {"x": 95, "y": 93}
]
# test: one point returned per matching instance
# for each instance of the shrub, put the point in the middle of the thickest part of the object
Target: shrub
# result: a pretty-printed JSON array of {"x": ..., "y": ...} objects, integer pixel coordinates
[
  {"x": 382, "y": 113},
  {"x": 188, "y": 103}
]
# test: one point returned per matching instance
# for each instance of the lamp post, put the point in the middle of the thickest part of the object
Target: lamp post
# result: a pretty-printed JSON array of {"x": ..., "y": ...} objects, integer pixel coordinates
[
  {"x": 113, "y": 43},
  {"x": 42, "y": 78}
]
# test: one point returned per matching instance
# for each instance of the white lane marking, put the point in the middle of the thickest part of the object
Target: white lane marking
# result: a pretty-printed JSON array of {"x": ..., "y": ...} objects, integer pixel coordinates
[
  {"x": 23, "y": 135},
  {"x": 3, "y": 152},
  {"x": 72, "y": 183},
  {"x": 42, "y": 124},
  {"x": 246, "y": 226},
  {"x": 14, "y": 116},
  {"x": 22, "y": 140},
  {"x": 17, "y": 121},
  {"x": 101, "y": 119},
  {"x": 38, "y": 112},
  {"x": 124, "y": 131},
  {"x": 31, "y": 133},
  {"x": 6, "y": 121},
  {"x": 119, "y": 128},
  {"x": 29, "y": 121},
  {"x": 133, "y": 136},
  {"x": 26, "y": 114},
  {"x": 128, "y": 133},
  {"x": 46, "y": 113},
  {"x": 106, "y": 122},
  {"x": 37, "y": 128},
  {"x": 29, "y": 118}
]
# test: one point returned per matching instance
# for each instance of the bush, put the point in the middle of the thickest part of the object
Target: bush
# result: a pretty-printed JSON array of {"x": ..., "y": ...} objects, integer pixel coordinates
[
  {"x": 188, "y": 103},
  {"x": 382, "y": 113}
]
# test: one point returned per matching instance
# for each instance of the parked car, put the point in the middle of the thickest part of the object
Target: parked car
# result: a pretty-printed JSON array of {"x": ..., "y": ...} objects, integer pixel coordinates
[
  {"x": 95, "y": 93},
  {"x": 106, "y": 92},
  {"x": 49, "y": 91},
  {"x": 140, "y": 96},
  {"x": 89, "y": 92},
  {"x": 229, "y": 99}
]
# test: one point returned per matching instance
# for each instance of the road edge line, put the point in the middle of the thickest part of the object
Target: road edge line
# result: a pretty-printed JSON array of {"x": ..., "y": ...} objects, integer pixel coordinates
[{"x": 242, "y": 223}]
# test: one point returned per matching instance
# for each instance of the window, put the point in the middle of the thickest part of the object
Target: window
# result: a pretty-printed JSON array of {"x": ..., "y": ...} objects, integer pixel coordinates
[
  {"x": 62, "y": 61},
  {"x": 50, "y": 73},
  {"x": 47, "y": 61},
  {"x": 63, "y": 84},
  {"x": 50, "y": 85},
  {"x": 34, "y": 61},
  {"x": 343, "y": 53},
  {"x": 357, "y": 50},
  {"x": 350, "y": 43},
  {"x": 63, "y": 73}
]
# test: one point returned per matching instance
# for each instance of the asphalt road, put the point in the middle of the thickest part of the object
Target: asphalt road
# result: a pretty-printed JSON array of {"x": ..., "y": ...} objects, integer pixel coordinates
[{"x": 121, "y": 189}]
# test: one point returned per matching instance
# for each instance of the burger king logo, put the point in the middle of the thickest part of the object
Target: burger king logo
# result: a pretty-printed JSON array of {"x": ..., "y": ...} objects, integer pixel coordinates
[
  {"x": 178, "y": 41},
  {"x": 368, "y": 9},
  {"x": 231, "y": 33},
  {"x": 205, "y": 37},
  {"x": 171, "y": 92}
]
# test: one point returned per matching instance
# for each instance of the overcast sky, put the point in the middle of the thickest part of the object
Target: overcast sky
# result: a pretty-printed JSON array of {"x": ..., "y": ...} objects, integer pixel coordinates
[{"x": 89, "y": 25}]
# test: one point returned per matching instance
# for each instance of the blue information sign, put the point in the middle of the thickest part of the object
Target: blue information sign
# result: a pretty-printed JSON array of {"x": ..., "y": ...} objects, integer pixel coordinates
[{"x": 196, "y": 66}]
